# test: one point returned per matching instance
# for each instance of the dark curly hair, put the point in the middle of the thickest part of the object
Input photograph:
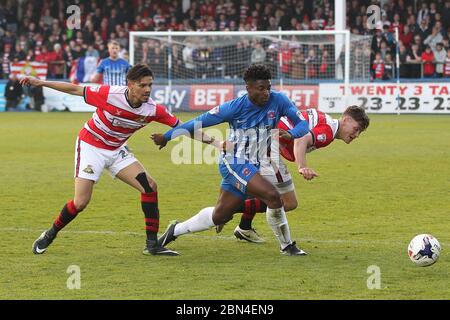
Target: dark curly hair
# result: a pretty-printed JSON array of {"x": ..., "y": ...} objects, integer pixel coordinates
[
  {"x": 359, "y": 115},
  {"x": 139, "y": 71},
  {"x": 257, "y": 72}
]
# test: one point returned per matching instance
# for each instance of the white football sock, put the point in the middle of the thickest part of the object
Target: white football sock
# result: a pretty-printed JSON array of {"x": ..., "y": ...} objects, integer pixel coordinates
[
  {"x": 200, "y": 222},
  {"x": 279, "y": 224}
]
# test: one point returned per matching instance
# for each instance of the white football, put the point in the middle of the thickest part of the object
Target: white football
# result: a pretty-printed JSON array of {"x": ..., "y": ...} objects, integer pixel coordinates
[{"x": 424, "y": 250}]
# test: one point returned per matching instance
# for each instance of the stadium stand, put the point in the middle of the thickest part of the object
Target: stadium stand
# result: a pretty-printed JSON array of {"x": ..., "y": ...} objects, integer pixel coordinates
[{"x": 36, "y": 30}]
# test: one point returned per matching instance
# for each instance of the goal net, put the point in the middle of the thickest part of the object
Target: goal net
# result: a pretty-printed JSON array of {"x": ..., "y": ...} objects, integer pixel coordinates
[{"x": 294, "y": 57}]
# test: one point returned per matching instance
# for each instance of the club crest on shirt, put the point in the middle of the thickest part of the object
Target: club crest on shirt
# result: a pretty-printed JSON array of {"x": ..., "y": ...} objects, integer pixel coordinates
[
  {"x": 322, "y": 137},
  {"x": 246, "y": 172},
  {"x": 271, "y": 114},
  {"x": 94, "y": 89},
  {"x": 88, "y": 169}
]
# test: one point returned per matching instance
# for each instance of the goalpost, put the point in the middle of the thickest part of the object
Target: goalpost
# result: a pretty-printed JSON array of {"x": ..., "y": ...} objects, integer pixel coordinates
[{"x": 218, "y": 57}]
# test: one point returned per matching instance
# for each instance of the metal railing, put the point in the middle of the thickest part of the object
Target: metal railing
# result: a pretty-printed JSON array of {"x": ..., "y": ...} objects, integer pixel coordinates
[{"x": 226, "y": 69}]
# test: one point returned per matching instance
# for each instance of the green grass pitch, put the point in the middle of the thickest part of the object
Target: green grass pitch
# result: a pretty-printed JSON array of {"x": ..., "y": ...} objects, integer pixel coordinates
[{"x": 371, "y": 198}]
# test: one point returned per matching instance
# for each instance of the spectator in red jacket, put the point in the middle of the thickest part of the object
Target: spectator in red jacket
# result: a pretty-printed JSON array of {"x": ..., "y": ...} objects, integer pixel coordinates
[
  {"x": 428, "y": 64},
  {"x": 378, "y": 67},
  {"x": 407, "y": 36},
  {"x": 56, "y": 62},
  {"x": 41, "y": 56}
]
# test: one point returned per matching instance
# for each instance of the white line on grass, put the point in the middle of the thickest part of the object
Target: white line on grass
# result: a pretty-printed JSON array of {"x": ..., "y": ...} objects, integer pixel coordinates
[{"x": 129, "y": 233}]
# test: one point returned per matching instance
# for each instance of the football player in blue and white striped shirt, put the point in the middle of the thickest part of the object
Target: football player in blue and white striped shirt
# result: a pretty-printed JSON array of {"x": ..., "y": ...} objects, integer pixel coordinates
[
  {"x": 113, "y": 68},
  {"x": 251, "y": 118}
]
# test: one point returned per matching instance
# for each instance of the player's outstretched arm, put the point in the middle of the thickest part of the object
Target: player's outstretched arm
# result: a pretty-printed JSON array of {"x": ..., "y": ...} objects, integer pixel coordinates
[
  {"x": 199, "y": 135},
  {"x": 161, "y": 141},
  {"x": 60, "y": 86},
  {"x": 300, "y": 147},
  {"x": 208, "y": 119},
  {"x": 222, "y": 145},
  {"x": 190, "y": 129}
]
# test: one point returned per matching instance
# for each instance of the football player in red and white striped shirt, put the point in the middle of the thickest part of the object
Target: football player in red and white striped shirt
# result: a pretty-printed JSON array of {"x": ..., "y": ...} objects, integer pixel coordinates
[
  {"x": 102, "y": 144},
  {"x": 323, "y": 131}
]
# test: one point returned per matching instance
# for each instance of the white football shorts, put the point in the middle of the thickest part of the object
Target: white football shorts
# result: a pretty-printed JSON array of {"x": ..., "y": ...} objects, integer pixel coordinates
[
  {"x": 277, "y": 174},
  {"x": 90, "y": 161}
]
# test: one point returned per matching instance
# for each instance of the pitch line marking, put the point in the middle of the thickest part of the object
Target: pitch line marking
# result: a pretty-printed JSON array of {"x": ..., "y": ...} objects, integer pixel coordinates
[{"x": 130, "y": 233}]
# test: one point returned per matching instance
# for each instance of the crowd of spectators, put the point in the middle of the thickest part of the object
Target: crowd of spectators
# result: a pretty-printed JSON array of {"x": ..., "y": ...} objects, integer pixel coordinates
[
  {"x": 35, "y": 30},
  {"x": 424, "y": 30}
]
